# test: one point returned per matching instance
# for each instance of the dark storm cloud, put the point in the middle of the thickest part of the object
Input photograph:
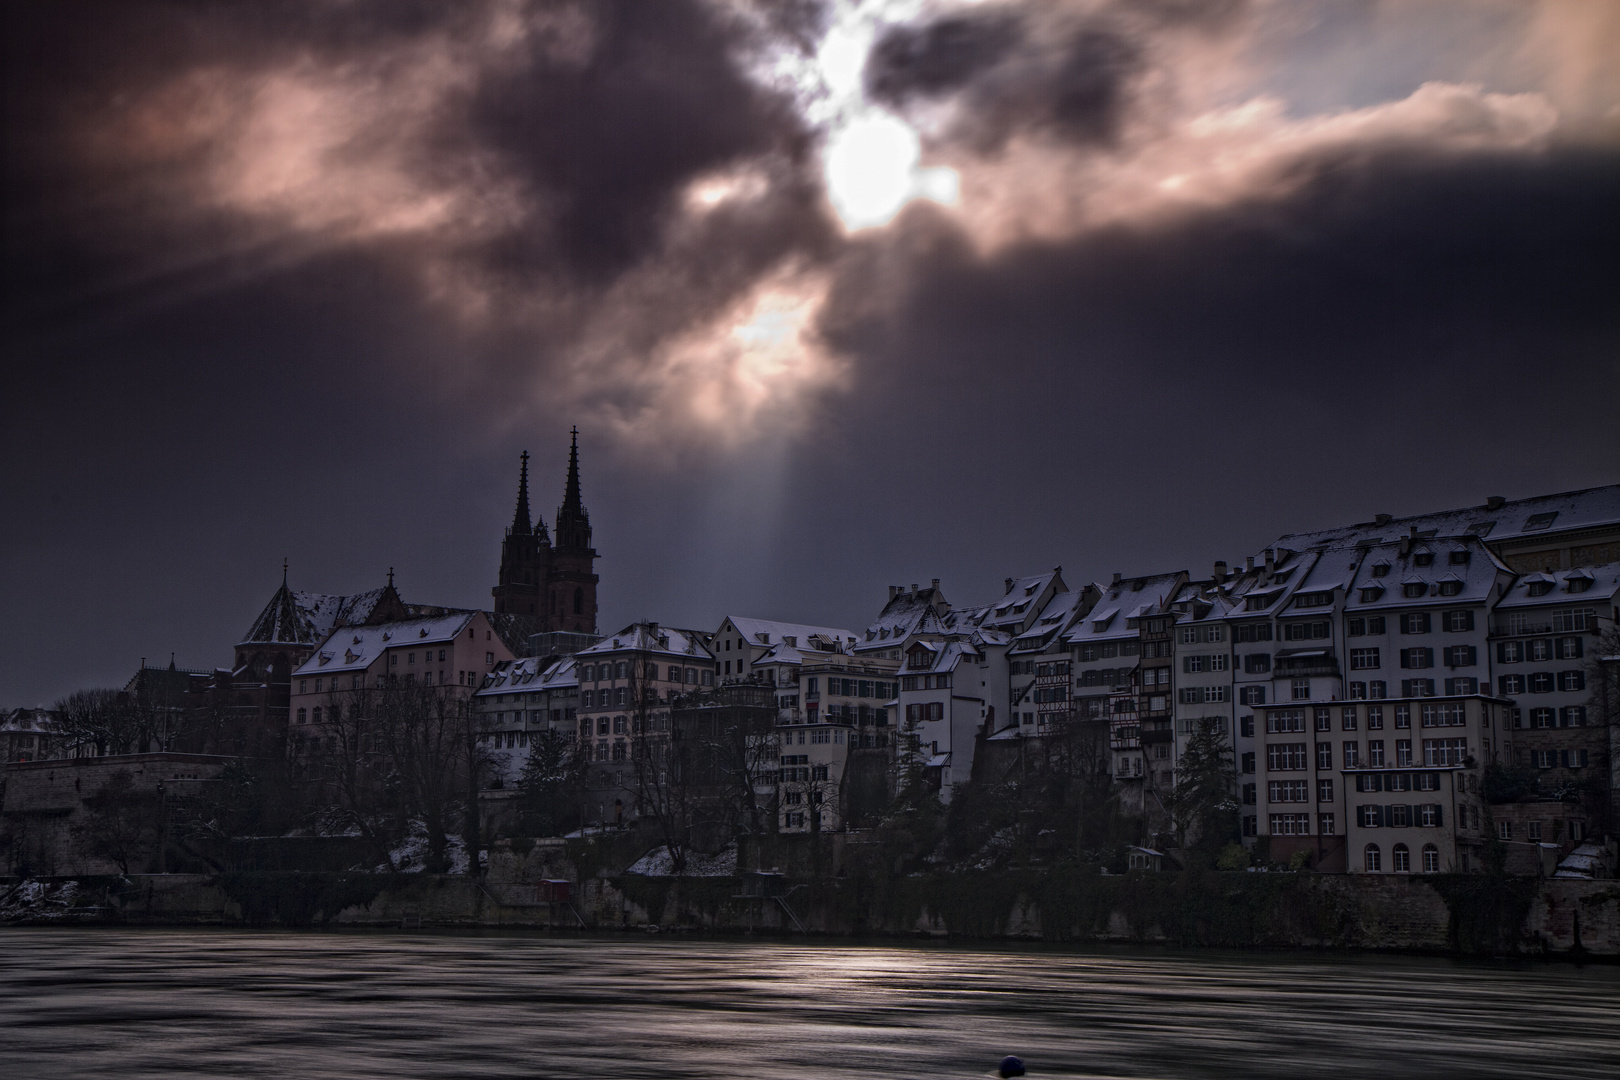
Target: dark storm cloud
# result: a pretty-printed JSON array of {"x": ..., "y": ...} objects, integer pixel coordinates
[{"x": 1010, "y": 73}]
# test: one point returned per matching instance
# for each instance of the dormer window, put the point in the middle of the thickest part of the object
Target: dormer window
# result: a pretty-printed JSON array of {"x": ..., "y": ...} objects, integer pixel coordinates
[
  {"x": 1414, "y": 589},
  {"x": 1380, "y": 569},
  {"x": 1422, "y": 558},
  {"x": 1029, "y": 591},
  {"x": 1537, "y": 522},
  {"x": 1579, "y": 584},
  {"x": 1540, "y": 588},
  {"x": 1460, "y": 557},
  {"x": 1480, "y": 528},
  {"x": 1371, "y": 593},
  {"x": 1450, "y": 588}
]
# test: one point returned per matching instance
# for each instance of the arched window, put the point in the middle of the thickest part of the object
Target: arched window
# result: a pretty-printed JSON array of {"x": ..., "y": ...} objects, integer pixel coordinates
[
  {"x": 315, "y": 717},
  {"x": 579, "y": 601},
  {"x": 303, "y": 716},
  {"x": 1431, "y": 859},
  {"x": 1402, "y": 859},
  {"x": 1374, "y": 859}
]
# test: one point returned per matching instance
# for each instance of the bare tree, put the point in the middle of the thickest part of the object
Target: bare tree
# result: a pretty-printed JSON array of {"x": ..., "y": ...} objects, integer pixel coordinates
[
  {"x": 108, "y": 722},
  {"x": 664, "y": 792},
  {"x": 423, "y": 733},
  {"x": 351, "y": 770},
  {"x": 1603, "y": 709}
]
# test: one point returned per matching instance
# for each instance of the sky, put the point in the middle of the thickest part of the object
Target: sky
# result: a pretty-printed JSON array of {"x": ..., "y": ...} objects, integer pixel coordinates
[{"x": 839, "y": 294}]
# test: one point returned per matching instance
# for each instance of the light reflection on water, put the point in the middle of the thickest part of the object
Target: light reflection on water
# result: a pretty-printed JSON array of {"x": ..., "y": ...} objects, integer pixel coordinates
[{"x": 121, "y": 1003}]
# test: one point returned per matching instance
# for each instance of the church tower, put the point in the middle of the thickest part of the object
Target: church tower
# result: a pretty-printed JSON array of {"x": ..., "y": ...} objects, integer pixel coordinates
[
  {"x": 571, "y": 584},
  {"x": 525, "y": 558}
]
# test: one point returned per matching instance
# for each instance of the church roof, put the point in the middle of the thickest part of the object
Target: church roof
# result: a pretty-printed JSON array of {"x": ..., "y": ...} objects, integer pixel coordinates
[{"x": 306, "y": 618}]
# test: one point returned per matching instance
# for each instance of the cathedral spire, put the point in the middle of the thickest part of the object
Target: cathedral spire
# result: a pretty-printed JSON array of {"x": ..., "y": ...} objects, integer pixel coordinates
[
  {"x": 571, "y": 493},
  {"x": 521, "y": 525}
]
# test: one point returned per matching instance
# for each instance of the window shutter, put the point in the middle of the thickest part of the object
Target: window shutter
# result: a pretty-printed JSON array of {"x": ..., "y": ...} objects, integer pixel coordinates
[
  {"x": 1406, "y": 655},
  {"x": 1468, "y": 620},
  {"x": 1428, "y": 658},
  {"x": 1473, "y": 651},
  {"x": 1501, "y": 652},
  {"x": 1439, "y": 815}
]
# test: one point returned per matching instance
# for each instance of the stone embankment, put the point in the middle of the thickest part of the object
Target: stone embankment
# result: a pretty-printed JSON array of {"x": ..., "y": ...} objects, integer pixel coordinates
[{"x": 1443, "y": 913}]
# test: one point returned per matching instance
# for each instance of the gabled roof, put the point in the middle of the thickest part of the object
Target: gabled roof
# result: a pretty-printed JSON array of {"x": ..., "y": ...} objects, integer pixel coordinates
[
  {"x": 1474, "y": 580},
  {"x": 900, "y": 616},
  {"x": 1013, "y": 611},
  {"x": 650, "y": 637},
  {"x": 355, "y": 648},
  {"x": 771, "y": 632},
  {"x": 1122, "y": 601},
  {"x": 305, "y": 618}
]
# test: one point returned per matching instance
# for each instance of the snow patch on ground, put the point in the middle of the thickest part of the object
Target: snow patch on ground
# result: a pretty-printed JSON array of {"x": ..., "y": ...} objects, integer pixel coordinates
[
  {"x": 411, "y": 854},
  {"x": 659, "y": 863}
]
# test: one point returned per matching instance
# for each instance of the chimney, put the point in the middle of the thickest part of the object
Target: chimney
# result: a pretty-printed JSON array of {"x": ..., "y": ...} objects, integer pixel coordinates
[
  {"x": 1271, "y": 561},
  {"x": 913, "y": 588},
  {"x": 1008, "y": 587},
  {"x": 936, "y": 584},
  {"x": 1382, "y": 519},
  {"x": 894, "y": 590},
  {"x": 1495, "y": 502},
  {"x": 1250, "y": 567},
  {"x": 1118, "y": 577},
  {"x": 1220, "y": 570}
]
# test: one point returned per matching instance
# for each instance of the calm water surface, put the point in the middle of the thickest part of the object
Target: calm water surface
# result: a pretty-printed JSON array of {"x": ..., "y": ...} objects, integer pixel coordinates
[{"x": 94, "y": 1003}]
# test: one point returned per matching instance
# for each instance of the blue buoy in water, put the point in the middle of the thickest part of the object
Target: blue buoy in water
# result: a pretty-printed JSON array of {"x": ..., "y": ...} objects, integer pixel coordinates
[{"x": 1012, "y": 1066}]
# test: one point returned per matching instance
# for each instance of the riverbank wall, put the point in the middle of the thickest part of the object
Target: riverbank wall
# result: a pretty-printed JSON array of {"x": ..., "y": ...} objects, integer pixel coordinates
[{"x": 1456, "y": 914}]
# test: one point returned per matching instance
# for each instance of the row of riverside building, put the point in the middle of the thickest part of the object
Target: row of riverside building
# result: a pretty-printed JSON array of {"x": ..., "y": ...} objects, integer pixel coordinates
[{"x": 1364, "y": 678}]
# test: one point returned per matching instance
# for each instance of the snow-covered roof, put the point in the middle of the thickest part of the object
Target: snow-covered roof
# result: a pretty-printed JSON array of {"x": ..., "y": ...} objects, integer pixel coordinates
[
  {"x": 771, "y": 632},
  {"x": 1591, "y": 583},
  {"x": 305, "y": 618},
  {"x": 1056, "y": 617},
  {"x": 1013, "y": 611},
  {"x": 1510, "y": 520},
  {"x": 650, "y": 637},
  {"x": 901, "y": 615},
  {"x": 1120, "y": 602},
  {"x": 356, "y": 648},
  {"x": 946, "y": 655},
  {"x": 1471, "y": 582},
  {"x": 531, "y": 674}
]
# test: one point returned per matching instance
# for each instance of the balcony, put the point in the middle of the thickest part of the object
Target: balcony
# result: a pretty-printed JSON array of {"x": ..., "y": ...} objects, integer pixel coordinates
[{"x": 1520, "y": 629}]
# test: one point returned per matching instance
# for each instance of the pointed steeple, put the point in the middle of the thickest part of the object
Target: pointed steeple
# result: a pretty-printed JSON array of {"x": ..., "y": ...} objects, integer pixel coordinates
[
  {"x": 521, "y": 525},
  {"x": 573, "y": 523},
  {"x": 571, "y": 493}
]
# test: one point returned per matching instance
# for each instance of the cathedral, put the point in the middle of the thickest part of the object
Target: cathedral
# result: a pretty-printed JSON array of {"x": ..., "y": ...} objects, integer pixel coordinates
[{"x": 554, "y": 584}]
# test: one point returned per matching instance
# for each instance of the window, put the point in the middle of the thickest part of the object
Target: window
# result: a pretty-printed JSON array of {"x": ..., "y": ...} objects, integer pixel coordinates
[
  {"x": 1249, "y": 794},
  {"x": 1324, "y": 718},
  {"x": 1412, "y": 590},
  {"x": 1417, "y": 658},
  {"x": 1285, "y": 757},
  {"x": 1574, "y": 619},
  {"x": 1248, "y": 762},
  {"x": 1371, "y": 859},
  {"x": 1572, "y": 680},
  {"x": 1458, "y": 621},
  {"x": 1375, "y": 718},
  {"x": 1285, "y": 720},
  {"x": 1400, "y": 857},
  {"x": 1288, "y": 791},
  {"x": 1324, "y": 755},
  {"x": 1445, "y": 714},
  {"x": 1305, "y": 631},
  {"x": 1450, "y": 587},
  {"x": 1290, "y": 824},
  {"x": 1257, "y": 663},
  {"x": 1375, "y": 754},
  {"x": 1301, "y": 689},
  {"x": 303, "y": 716},
  {"x": 1460, "y": 656},
  {"x": 1363, "y": 659},
  {"x": 1358, "y": 691},
  {"x": 1415, "y": 623},
  {"x": 1429, "y": 816},
  {"x": 1572, "y": 716},
  {"x": 1326, "y": 825},
  {"x": 1253, "y": 695},
  {"x": 1403, "y": 753},
  {"x": 1568, "y": 648},
  {"x": 1324, "y": 791},
  {"x": 1351, "y": 757},
  {"x": 1541, "y": 682},
  {"x": 315, "y": 715},
  {"x": 1417, "y": 688},
  {"x": 1246, "y": 728},
  {"x": 1510, "y": 684},
  {"x": 1443, "y": 752},
  {"x": 1431, "y": 859}
]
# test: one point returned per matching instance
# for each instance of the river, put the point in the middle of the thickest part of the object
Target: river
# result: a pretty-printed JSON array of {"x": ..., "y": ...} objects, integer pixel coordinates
[{"x": 138, "y": 1003}]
